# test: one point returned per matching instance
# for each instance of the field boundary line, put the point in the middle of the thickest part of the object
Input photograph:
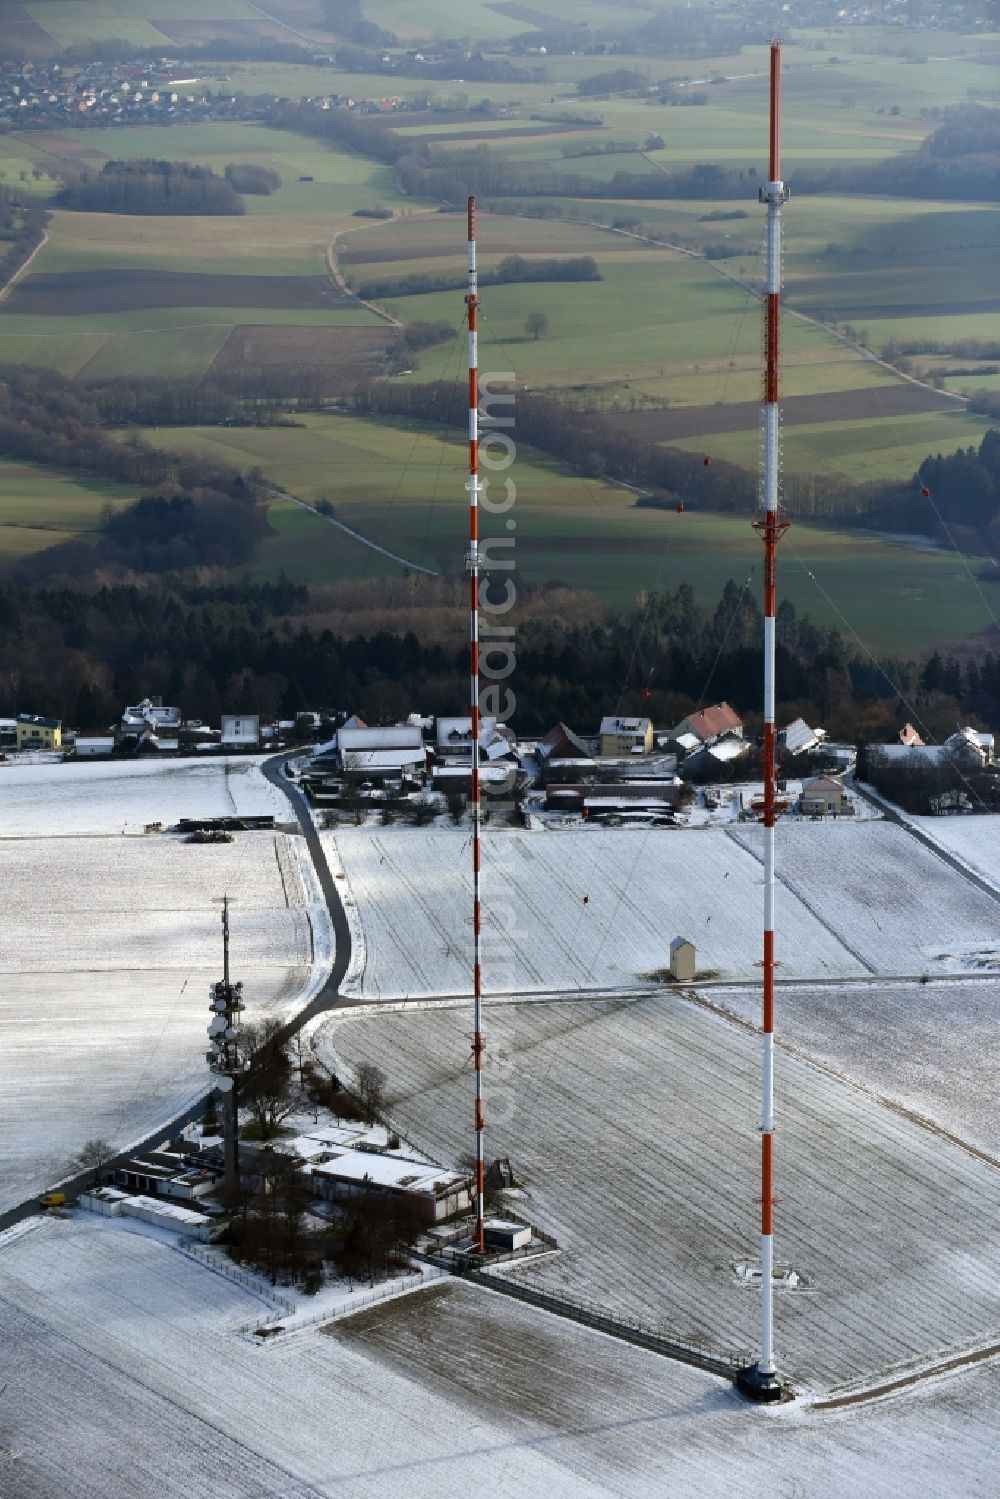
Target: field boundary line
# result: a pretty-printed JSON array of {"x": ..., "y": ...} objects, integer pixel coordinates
[
  {"x": 340, "y": 280},
  {"x": 598, "y": 1319},
  {"x": 905, "y": 1381},
  {"x": 867, "y": 354},
  {"x": 15, "y": 276},
  {"x": 416, "y": 567}
]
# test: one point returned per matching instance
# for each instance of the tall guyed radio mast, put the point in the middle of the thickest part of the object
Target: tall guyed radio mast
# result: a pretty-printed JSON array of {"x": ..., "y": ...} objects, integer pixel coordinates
[
  {"x": 761, "y": 1381},
  {"x": 478, "y": 1045}
]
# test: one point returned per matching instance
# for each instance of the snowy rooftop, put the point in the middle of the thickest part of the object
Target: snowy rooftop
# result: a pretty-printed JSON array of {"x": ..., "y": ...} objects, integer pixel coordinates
[
  {"x": 398, "y": 737},
  {"x": 728, "y": 749},
  {"x": 385, "y": 759},
  {"x": 169, "y": 1210},
  {"x": 613, "y": 725},
  {"x": 388, "y": 1171}
]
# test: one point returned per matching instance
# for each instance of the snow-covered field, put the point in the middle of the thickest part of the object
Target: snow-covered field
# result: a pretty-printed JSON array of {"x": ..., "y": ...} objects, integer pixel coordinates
[
  {"x": 112, "y": 796},
  {"x": 578, "y": 909},
  {"x": 107, "y": 947},
  {"x": 975, "y": 839},
  {"x": 930, "y": 1048},
  {"x": 125, "y": 1379},
  {"x": 897, "y": 906},
  {"x": 633, "y": 1127}
]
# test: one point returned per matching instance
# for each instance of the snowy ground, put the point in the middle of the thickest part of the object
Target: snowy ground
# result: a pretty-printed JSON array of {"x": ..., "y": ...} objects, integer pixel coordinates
[
  {"x": 564, "y": 910},
  {"x": 633, "y": 1126},
  {"x": 112, "y": 796},
  {"x": 975, "y": 839},
  {"x": 898, "y": 907},
  {"x": 126, "y": 1379},
  {"x": 107, "y": 948},
  {"x": 930, "y": 1048}
]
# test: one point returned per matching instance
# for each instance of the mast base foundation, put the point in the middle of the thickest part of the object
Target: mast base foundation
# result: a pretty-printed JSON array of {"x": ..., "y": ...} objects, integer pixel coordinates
[{"x": 759, "y": 1387}]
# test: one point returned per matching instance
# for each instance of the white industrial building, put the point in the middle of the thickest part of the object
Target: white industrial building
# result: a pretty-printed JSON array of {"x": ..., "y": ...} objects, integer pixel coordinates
[{"x": 434, "y": 1193}]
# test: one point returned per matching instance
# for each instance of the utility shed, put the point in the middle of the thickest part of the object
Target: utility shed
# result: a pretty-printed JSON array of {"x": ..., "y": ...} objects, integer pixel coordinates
[
  {"x": 499, "y": 1234},
  {"x": 682, "y": 960}
]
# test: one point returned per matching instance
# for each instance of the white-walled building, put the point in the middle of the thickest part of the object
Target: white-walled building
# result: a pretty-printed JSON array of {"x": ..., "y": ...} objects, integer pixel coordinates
[{"x": 240, "y": 730}]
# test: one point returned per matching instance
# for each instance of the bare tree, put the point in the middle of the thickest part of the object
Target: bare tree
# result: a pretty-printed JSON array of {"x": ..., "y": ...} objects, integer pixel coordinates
[
  {"x": 536, "y": 323},
  {"x": 269, "y": 1088},
  {"x": 371, "y": 1091},
  {"x": 93, "y": 1156}
]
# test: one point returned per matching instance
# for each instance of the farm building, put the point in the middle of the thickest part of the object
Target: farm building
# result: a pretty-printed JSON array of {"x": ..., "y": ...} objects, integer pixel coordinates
[
  {"x": 636, "y": 796},
  {"x": 360, "y": 739},
  {"x": 707, "y": 761},
  {"x": 382, "y": 767},
  {"x": 381, "y": 755},
  {"x": 150, "y": 714},
  {"x": 94, "y": 746},
  {"x": 626, "y": 736},
  {"x": 968, "y": 748},
  {"x": 453, "y": 739},
  {"x": 34, "y": 732},
  {"x": 504, "y": 777},
  {"x": 824, "y": 796},
  {"x": 240, "y": 730},
  {"x": 710, "y": 724},
  {"x": 798, "y": 738},
  {"x": 560, "y": 743},
  {"x": 433, "y": 1193}
]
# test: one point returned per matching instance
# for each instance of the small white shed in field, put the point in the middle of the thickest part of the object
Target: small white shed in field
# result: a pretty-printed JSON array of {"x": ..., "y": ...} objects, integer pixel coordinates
[{"x": 682, "y": 960}]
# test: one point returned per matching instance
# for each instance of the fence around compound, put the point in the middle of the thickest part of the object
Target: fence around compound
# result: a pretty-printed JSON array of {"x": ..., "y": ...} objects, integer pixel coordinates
[{"x": 689, "y": 1350}]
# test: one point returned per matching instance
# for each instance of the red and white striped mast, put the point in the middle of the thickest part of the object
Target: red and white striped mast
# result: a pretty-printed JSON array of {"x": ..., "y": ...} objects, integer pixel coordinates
[
  {"x": 761, "y": 1381},
  {"x": 478, "y": 1045}
]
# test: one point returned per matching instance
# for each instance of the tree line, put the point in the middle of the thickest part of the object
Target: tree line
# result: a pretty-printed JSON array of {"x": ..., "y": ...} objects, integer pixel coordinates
[
  {"x": 79, "y": 653},
  {"x": 146, "y": 186},
  {"x": 510, "y": 269},
  {"x": 22, "y": 228}
]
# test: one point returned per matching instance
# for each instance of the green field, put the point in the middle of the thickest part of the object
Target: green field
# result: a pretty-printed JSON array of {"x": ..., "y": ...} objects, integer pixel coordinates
[
  {"x": 401, "y": 486},
  {"x": 660, "y": 323},
  {"x": 39, "y": 508},
  {"x": 72, "y": 22},
  {"x": 858, "y": 452}
]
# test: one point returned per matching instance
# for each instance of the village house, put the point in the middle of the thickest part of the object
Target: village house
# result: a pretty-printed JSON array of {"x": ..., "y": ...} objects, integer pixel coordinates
[
  {"x": 240, "y": 730},
  {"x": 149, "y": 715},
  {"x": 560, "y": 743},
  {"x": 824, "y": 796},
  {"x": 798, "y": 738},
  {"x": 970, "y": 749},
  {"x": 710, "y": 724},
  {"x": 453, "y": 739},
  {"x": 35, "y": 732},
  {"x": 626, "y": 736}
]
